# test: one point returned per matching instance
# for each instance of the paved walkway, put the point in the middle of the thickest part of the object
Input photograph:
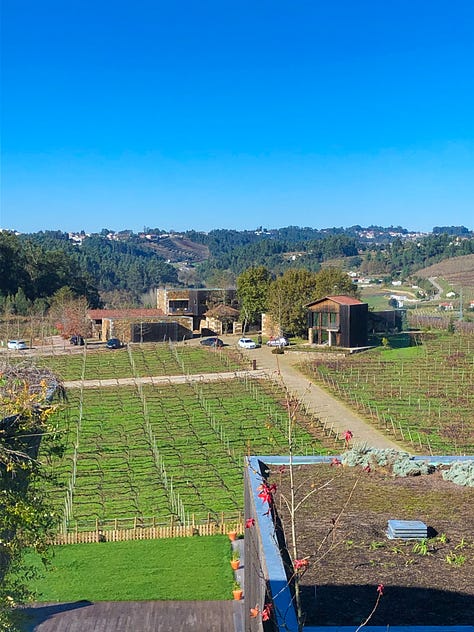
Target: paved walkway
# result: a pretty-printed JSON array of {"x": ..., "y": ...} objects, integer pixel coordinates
[
  {"x": 162, "y": 380},
  {"x": 135, "y": 616}
]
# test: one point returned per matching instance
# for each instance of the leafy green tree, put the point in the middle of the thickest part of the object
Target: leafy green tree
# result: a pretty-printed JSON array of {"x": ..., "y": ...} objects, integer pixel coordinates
[
  {"x": 287, "y": 297},
  {"x": 333, "y": 282},
  {"x": 252, "y": 290},
  {"x": 12, "y": 264},
  {"x": 22, "y": 304},
  {"x": 26, "y": 518}
]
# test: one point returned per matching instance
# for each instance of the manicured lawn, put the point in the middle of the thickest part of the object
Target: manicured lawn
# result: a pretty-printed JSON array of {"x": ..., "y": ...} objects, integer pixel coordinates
[{"x": 176, "y": 569}]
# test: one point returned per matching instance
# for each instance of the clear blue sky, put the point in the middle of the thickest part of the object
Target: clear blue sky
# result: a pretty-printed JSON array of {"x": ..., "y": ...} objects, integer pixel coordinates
[{"x": 200, "y": 114}]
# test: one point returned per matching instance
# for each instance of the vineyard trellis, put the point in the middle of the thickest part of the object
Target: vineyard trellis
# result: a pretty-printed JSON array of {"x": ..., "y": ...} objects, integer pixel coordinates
[
  {"x": 168, "y": 450},
  {"x": 423, "y": 396}
]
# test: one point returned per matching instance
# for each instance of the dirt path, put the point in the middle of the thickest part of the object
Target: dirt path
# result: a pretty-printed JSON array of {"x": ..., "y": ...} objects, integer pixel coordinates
[
  {"x": 439, "y": 289},
  {"x": 317, "y": 400},
  {"x": 163, "y": 380}
]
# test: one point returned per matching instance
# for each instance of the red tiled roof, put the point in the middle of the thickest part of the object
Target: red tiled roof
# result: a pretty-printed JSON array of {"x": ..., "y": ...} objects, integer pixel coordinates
[
  {"x": 341, "y": 300},
  {"x": 99, "y": 314}
]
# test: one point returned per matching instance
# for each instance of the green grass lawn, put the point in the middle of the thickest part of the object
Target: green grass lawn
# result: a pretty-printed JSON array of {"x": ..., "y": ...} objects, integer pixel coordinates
[{"x": 176, "y": 569}]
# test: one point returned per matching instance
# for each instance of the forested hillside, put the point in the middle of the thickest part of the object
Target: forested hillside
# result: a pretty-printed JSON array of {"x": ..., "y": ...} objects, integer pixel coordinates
[
  {"x": 31, "y": 272},
  {"x": 118, "y": 269}
]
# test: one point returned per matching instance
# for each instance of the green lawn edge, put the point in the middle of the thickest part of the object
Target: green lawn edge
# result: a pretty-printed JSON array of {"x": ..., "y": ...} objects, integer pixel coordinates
[{"x": 177, "y": 569}]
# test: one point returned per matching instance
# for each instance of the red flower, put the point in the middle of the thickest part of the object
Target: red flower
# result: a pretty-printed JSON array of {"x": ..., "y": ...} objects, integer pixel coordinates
[
  {"x": 300, "y": 564},
  {"x": 380, "y": 589},
  {"x": 250, "y": 522},
  {"x": 267, "y": 612},
  {"x": 335, "y": 461},
  {"x": 367, "y": 468}
]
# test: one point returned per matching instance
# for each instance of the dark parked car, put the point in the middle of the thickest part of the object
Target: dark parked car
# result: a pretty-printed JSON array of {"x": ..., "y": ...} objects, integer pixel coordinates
[
  {"x": 113, "y": 343},
  {"x": 212, "y": 342}
]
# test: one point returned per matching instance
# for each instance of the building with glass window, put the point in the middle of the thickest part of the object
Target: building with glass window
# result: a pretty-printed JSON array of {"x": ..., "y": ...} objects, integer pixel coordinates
[{"x": 338, "y": 321}]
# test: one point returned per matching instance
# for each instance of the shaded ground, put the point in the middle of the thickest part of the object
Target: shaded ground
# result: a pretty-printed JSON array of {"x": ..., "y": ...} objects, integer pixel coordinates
[
  {"x": 350, "y": 554},
  {"x": 139, "y": 616}
]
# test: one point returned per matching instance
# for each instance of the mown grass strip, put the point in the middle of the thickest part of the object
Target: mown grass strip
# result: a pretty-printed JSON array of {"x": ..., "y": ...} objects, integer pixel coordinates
[{"x": 177, "y": 569}]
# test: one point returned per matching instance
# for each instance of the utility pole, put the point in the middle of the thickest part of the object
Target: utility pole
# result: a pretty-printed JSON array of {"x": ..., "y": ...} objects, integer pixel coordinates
[{"x": 460, "y": 305}]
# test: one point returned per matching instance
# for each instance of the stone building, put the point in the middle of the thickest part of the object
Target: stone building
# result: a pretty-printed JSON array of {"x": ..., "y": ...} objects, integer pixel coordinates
[
  {"x": 194, "y": 302},
  {"x": 139, "y": 325}
]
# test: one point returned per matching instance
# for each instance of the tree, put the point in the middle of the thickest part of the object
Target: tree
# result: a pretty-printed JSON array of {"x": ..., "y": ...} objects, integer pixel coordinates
[
  {"x": 26, "y": 518},
  {"x": 252, "y": 290},
  {"x": 287, "y": 297},
  {"x": 12, "y": 264},
  {"x": 333, "y": 282},
  {"x": 22, "y": 304},
  {"x": 69, "y": 313}
]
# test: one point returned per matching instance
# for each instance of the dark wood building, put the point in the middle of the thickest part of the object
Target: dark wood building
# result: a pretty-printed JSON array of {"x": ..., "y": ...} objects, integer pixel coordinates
[{"x": 339, "y": 321}]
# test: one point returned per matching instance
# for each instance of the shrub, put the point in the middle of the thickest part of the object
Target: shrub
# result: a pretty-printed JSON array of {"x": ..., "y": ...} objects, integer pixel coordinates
[
  {"x": 461, "y": 473},
  {"x": 400, "y": 463},
  {"x": 278, "y": 350}
]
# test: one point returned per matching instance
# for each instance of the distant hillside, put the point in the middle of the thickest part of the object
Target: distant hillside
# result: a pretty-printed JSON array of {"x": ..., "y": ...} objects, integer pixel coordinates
[
  {"x": 458, "y": 271},
  {"x": 174, "y": 248}
]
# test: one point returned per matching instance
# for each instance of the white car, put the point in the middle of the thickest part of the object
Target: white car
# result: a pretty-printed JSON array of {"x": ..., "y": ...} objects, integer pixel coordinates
[
  {"x": 281, "y": 341},
  {"x": 247, "y": 343},
  {"x": 16, "y": 344}
]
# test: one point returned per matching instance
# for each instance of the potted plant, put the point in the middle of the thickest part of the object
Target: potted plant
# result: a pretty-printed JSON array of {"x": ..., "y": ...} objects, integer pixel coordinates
[
  {"x": 235, "y": 559},
  {"x": 232, "y": 535},
  {"x": 237, "y": 591}
]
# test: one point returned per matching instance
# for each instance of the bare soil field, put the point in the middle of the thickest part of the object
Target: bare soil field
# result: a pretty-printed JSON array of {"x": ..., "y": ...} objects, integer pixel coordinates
[{"x": 341, "y": 530}]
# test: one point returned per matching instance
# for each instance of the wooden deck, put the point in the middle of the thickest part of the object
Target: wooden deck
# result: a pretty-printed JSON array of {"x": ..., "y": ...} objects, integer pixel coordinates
[{"x": 135, "y": 616}]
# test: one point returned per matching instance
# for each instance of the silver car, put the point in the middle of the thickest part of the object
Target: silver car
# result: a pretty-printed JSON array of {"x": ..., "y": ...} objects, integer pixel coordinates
[{"x": 280, "y": 341}]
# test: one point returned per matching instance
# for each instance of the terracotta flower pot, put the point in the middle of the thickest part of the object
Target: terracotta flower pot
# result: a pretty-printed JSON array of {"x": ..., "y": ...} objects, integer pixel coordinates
[
  {"x": 232, "y": 535},
  {"x": 235, "y": 564},
  {"x": 237, "y": 594}
]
